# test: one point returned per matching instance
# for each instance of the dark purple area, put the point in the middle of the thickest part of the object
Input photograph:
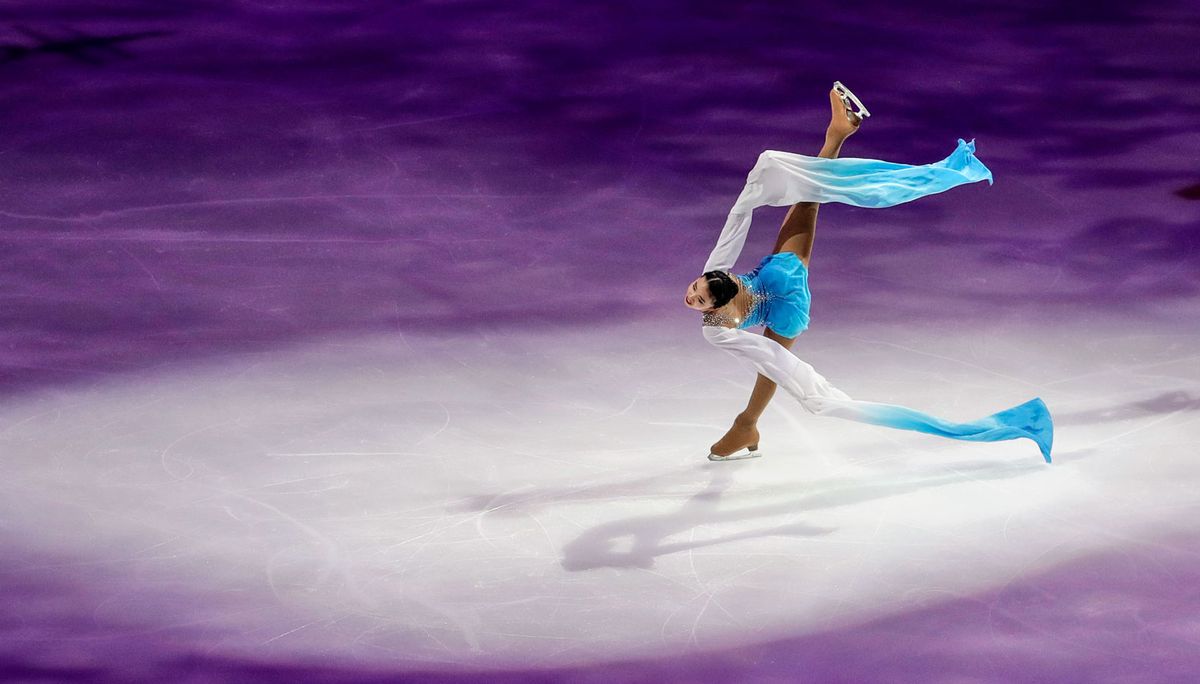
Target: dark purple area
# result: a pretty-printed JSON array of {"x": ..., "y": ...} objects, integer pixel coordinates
[
  {"x": 1125, "y": 616},
  {"x": 231, "y": 177},
  {"x": 248, "y": 176}
]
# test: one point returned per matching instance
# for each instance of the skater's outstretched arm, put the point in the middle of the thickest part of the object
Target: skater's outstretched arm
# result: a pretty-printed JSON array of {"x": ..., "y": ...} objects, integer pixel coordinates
[
  {"x": 784, "y": 178},
  {"x": 776, "y": 362},
  {"x": 816, "y": 395}
]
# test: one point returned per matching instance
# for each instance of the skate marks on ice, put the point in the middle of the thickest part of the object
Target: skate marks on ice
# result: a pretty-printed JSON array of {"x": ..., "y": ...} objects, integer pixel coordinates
[
  {"x": 1124, "y": 615},
  {"x": 650, "y": 536},
  {"x": 462, "y": 500},
  {"x": 637, "y": 541}
]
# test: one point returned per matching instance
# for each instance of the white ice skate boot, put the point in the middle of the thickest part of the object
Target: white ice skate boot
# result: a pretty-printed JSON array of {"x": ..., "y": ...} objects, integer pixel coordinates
[{"x": 853, "y": 104}]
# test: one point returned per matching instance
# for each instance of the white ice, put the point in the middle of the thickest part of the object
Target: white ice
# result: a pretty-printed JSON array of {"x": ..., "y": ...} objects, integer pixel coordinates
[{"x": 544, "y": 498}]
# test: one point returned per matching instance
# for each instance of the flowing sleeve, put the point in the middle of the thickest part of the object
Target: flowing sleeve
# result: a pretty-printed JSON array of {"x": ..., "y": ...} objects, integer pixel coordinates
[
  {"x": 785, "y": 178},
  {"x": 1030, "y": 420},
  {"x": 775, "y": 361}
]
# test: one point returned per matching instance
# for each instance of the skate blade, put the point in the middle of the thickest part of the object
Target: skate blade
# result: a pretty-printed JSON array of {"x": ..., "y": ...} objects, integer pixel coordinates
[
  {"x": 736, "y": 456},
  {"x": 849, "y": 98}
]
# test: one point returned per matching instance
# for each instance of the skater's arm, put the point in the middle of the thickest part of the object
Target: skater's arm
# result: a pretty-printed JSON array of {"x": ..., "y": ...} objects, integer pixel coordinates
[
  {"x": 730, "y": 243},
  {"x": 777, "y": 179},
  {"x": 737, "y": 224},
  {"x": 784, "y": 178},
  {"x": 776, "y": 362},
  {"x": 1030, "y": 420},
  {"x": 768, "y": 356}
]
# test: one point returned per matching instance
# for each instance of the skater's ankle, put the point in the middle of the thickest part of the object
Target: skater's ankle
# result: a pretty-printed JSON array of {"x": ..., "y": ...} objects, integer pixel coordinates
[
  {"x": 836, "y": 136},
  {"x": 744, "y": 420}
]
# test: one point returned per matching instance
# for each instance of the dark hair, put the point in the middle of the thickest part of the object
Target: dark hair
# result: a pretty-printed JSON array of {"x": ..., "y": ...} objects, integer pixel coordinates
[{"x": 721, "y": 286}]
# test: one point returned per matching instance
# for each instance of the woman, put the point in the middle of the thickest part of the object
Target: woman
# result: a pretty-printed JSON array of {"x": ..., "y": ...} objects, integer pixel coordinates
[{"x": 775, "y": 294}]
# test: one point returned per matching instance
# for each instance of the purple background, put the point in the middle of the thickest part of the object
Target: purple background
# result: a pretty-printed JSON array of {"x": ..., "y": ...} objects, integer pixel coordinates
[
  {"x": 253, "y": 175},
  {"x": 263, "y": 173}
]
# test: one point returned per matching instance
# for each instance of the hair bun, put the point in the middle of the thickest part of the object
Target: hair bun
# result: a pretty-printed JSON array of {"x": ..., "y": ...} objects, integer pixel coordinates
[{"x": 722, "y": 287}]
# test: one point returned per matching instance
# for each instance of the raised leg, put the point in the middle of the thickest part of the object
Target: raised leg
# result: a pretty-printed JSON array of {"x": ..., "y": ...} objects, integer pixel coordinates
[{"x": 800, "y": 225}]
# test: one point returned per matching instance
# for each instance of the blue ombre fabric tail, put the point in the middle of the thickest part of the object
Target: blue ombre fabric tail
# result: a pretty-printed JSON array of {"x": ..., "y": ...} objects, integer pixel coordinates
[
  {"x": 1030, "y": 420},
  {"x": 874, "y": 183},
  {"x": 781, "y": 179}
]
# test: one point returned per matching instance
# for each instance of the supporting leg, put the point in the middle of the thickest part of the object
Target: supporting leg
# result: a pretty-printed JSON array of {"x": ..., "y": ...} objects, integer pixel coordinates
[
  {"x": 764, "y": 388},
  {"x": 744, "y": 432}
]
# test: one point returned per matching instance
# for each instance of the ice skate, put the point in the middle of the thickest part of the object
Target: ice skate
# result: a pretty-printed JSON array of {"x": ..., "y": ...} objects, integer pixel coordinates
[
  {"x": 739, "y": 455},
  {"x": 740, "y": 442},
  {"x": 854, "y": 106}
]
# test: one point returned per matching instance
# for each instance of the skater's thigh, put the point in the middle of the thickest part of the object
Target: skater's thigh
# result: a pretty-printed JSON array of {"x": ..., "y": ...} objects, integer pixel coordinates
[
  {"x": 787, "y": 342},
  {"x": 800, "y": 245},
  {"x": 798, "y": 230}
]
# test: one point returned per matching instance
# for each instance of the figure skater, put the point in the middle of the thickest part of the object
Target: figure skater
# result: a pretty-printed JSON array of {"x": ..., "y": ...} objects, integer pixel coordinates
[{"x": 775, "y": 293}]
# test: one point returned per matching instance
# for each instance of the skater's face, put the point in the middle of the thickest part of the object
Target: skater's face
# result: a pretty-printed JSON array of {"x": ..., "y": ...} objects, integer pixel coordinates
[{"x": 697, "y": 295}]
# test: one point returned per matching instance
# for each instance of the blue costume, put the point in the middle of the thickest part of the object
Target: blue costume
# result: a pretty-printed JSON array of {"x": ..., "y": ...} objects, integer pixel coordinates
[
  {"x": 779, "y": 289},
  {"x": 780, "y": 286}
]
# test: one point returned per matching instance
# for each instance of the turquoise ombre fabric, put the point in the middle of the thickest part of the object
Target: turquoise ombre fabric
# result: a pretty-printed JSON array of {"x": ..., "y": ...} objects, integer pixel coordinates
[
  {"x": 782, "y": 179},
  {"x": 1030, "y": 420},
  {"x": 869, "y": 182},
  {"x": 779, "y": 288}
]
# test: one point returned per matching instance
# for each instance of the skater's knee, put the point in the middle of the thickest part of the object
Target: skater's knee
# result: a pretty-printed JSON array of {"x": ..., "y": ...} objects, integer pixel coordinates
[{"x": 785, "y": 342}]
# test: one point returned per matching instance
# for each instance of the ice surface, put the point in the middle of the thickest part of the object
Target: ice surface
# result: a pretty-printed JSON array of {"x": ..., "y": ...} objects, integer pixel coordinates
[{"x": 544, "y": 500}]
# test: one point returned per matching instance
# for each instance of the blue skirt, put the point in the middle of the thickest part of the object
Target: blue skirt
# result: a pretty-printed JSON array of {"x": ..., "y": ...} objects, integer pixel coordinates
[{"x": 779, "y": 286}]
